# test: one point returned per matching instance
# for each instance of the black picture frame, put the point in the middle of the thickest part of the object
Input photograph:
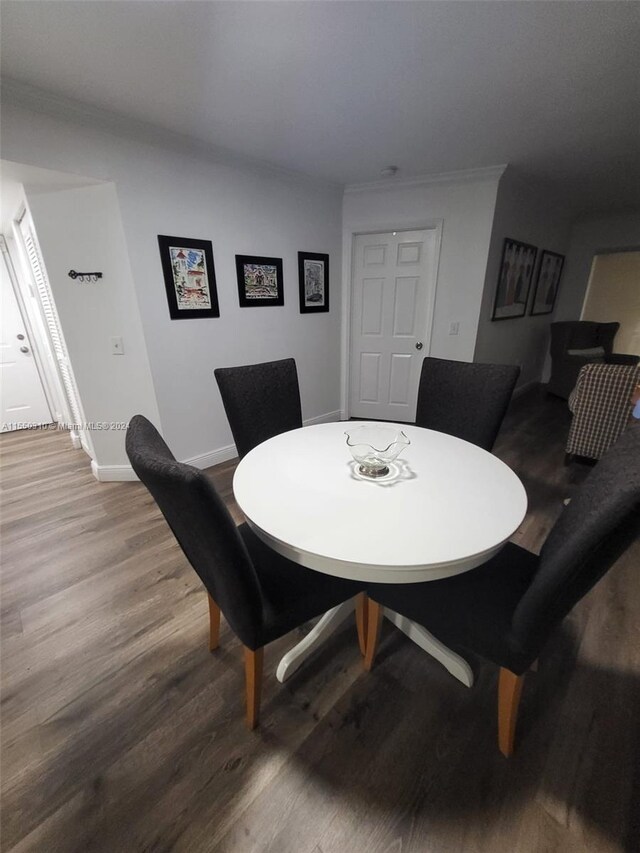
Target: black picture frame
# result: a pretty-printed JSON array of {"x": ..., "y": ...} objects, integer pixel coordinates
[
  {"x": 547, "y": 283},
  {"x": 514, "y": 279},
  {"x": 269, "y": 278},
  {"x": 190, "y": 279},
  {"x": 313, "y": 282}
]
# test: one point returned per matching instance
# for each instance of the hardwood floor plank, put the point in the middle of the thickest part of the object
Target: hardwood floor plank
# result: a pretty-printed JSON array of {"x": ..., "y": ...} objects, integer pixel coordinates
[{"x": 121, "y": 732}]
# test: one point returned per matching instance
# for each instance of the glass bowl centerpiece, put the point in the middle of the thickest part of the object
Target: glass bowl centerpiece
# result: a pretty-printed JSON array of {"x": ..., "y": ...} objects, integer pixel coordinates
[{"x": 374, "y": 447}]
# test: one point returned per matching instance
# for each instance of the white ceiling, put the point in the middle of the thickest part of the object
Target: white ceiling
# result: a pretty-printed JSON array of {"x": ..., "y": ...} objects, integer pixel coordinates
[{"x": 339, "y": 90}]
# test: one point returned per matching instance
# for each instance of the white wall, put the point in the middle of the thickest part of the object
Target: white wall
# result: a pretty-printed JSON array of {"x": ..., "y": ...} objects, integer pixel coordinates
[
  {"x": 168, "y": 189},
  {"x": 81, "y": 229},
  {"x": 524, "y": 214},
  {"x": 464, "y": 204}
]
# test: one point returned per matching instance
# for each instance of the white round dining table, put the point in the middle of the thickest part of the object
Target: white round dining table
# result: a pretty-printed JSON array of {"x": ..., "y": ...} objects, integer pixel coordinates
[{"x": 446, "y": 507}]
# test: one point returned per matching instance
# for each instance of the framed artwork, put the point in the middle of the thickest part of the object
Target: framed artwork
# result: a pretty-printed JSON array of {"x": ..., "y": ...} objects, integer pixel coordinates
[
  {"x": 189, "y": 277},
  {"x": 313, "y": 278},
  {"x": 514, "y": 280},
  {"x": 549, "y": 272},
  {"x": 259, "y": 281}
]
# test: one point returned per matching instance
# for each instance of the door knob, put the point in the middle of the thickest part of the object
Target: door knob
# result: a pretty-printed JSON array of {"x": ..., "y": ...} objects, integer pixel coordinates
[
  {"x": 24, "y": 349},
  {"x": 419, "y": 345}
]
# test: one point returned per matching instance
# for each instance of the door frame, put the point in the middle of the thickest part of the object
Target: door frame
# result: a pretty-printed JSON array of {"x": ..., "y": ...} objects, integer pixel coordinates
[
  {"x": 39, "y": 336},
  {"x": 348, "y": 268},
  {"x": 80, "y": 438}
]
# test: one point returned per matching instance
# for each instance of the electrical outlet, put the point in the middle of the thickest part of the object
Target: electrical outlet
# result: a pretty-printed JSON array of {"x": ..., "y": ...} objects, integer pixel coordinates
[
  {"x": 117, "y": 346},
  {"x": 454, "y": 328}
]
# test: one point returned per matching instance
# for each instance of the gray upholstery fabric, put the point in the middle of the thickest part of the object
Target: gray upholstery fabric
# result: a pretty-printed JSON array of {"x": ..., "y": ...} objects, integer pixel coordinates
[
  {"x": 505, "y": 609},
  {"x": 261, "y": 400},
  {"x": 471, "y": 611},
  {"x": 599, "y": 523},
  {"x": 575, "y": 335},
  {"x": 261, "y": 594},
  {"x": 465, "y": 400}
]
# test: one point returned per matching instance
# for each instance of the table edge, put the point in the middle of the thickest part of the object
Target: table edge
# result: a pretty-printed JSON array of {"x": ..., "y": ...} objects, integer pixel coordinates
[{"x": 369, "y": 573}]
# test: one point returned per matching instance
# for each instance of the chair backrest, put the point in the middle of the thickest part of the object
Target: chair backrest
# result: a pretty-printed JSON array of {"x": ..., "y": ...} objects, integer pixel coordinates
[
  {"x": 261, "y": 400},
  {"x": 202, "y": 525},
  {"x": 581, "y": 334},
  {"x": 466, "y": 400},
  {"x": 598, "y": 525}
]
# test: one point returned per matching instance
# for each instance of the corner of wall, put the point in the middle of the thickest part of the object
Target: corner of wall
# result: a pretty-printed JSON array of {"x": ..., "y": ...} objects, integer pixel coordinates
[{"x": 522, "y": 213}]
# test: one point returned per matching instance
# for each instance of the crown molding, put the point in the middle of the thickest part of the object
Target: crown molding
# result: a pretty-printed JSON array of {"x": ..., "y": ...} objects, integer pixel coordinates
[
  {"x": 462, "y": 176},
  {"x": 24, "y": 95}
]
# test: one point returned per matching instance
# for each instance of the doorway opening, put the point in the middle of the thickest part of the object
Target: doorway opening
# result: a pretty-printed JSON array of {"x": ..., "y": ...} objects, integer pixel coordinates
[
  {"x": 38, "y": 384},
  {"x": 613, "y": 295}
]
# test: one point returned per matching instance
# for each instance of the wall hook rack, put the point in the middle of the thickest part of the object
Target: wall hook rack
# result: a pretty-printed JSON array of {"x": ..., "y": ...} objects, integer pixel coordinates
[{"x": 84, "y": 276}]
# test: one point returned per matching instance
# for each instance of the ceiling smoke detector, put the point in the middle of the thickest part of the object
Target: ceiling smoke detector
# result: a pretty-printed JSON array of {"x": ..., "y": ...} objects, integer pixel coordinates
[{"x": 389, "y": 171}]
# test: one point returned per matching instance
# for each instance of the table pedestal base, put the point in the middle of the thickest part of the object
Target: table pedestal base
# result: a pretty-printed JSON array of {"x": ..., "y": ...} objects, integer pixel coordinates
[
  {"x": 326, "y": 625},
  {"x": 295, "y": 657},
  {"x": 457, "y": 666}
]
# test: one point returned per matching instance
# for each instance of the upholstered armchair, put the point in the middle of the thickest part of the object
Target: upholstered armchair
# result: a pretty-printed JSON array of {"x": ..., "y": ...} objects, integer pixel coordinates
[
  {"x": 575, "y": 343},
  {"x": 602, "y": 408}
]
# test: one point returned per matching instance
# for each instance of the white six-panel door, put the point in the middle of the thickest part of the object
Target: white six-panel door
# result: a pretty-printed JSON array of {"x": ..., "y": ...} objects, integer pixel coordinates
[
  {"x": 22, "y": 397},
  {"x": 392, "y": 297}
]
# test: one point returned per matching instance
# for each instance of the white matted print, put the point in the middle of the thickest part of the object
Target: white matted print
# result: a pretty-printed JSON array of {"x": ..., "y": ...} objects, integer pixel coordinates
[{"x": 189, "y": 277}]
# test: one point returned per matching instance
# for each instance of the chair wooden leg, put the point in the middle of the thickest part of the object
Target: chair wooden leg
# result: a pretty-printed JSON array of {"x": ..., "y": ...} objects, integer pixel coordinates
[
  {"x": 509, "y": 692},
  {"x": 374, "y": 624},
  {"x": 361, "y": 621},
  {"x": 253, "y": 683},
  {"x": 214, "y": 625}
]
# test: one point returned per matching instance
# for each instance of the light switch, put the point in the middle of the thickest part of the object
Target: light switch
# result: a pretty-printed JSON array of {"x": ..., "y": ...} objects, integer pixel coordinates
[
  {"x": 117, "y": 346},
  {"x": 454, "y": 328}
]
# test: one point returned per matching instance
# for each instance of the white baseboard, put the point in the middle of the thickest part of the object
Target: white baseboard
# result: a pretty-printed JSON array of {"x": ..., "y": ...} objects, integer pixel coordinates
[
  {"x": 328, "y": 418},
  {"x": 215, "y": 457},
  {"x": 112, "y": 473},
  {"x": 125, "y": 473}
]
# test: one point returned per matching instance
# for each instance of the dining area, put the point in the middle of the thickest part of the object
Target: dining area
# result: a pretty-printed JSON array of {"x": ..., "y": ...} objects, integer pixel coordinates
[
  {"x": 224, "y": 659},
  {"x": 411, "y": 525}
]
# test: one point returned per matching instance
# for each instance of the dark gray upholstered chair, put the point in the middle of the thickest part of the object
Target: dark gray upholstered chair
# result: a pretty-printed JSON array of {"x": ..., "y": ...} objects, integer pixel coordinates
[
  {"x": 465, "y": 400},
  {"x": 261, "y": 400},
  {"x": 580, "y": 335},
  {"x": 505, "y": 610},
  {"x": 261, "y": 594}
]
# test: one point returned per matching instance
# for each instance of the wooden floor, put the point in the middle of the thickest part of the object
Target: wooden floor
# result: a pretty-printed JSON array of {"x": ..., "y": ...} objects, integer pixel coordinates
[{"x": 120, "y": 732}]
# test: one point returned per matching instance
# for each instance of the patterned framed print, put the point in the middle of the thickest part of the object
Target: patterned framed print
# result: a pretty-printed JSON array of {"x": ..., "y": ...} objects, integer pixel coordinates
[
  {"x": 313, "y": 278},
  {"x": 514, "y": 280},
  {"x": 189, "y": 277},
  {"x": 259, "y": 281}
]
